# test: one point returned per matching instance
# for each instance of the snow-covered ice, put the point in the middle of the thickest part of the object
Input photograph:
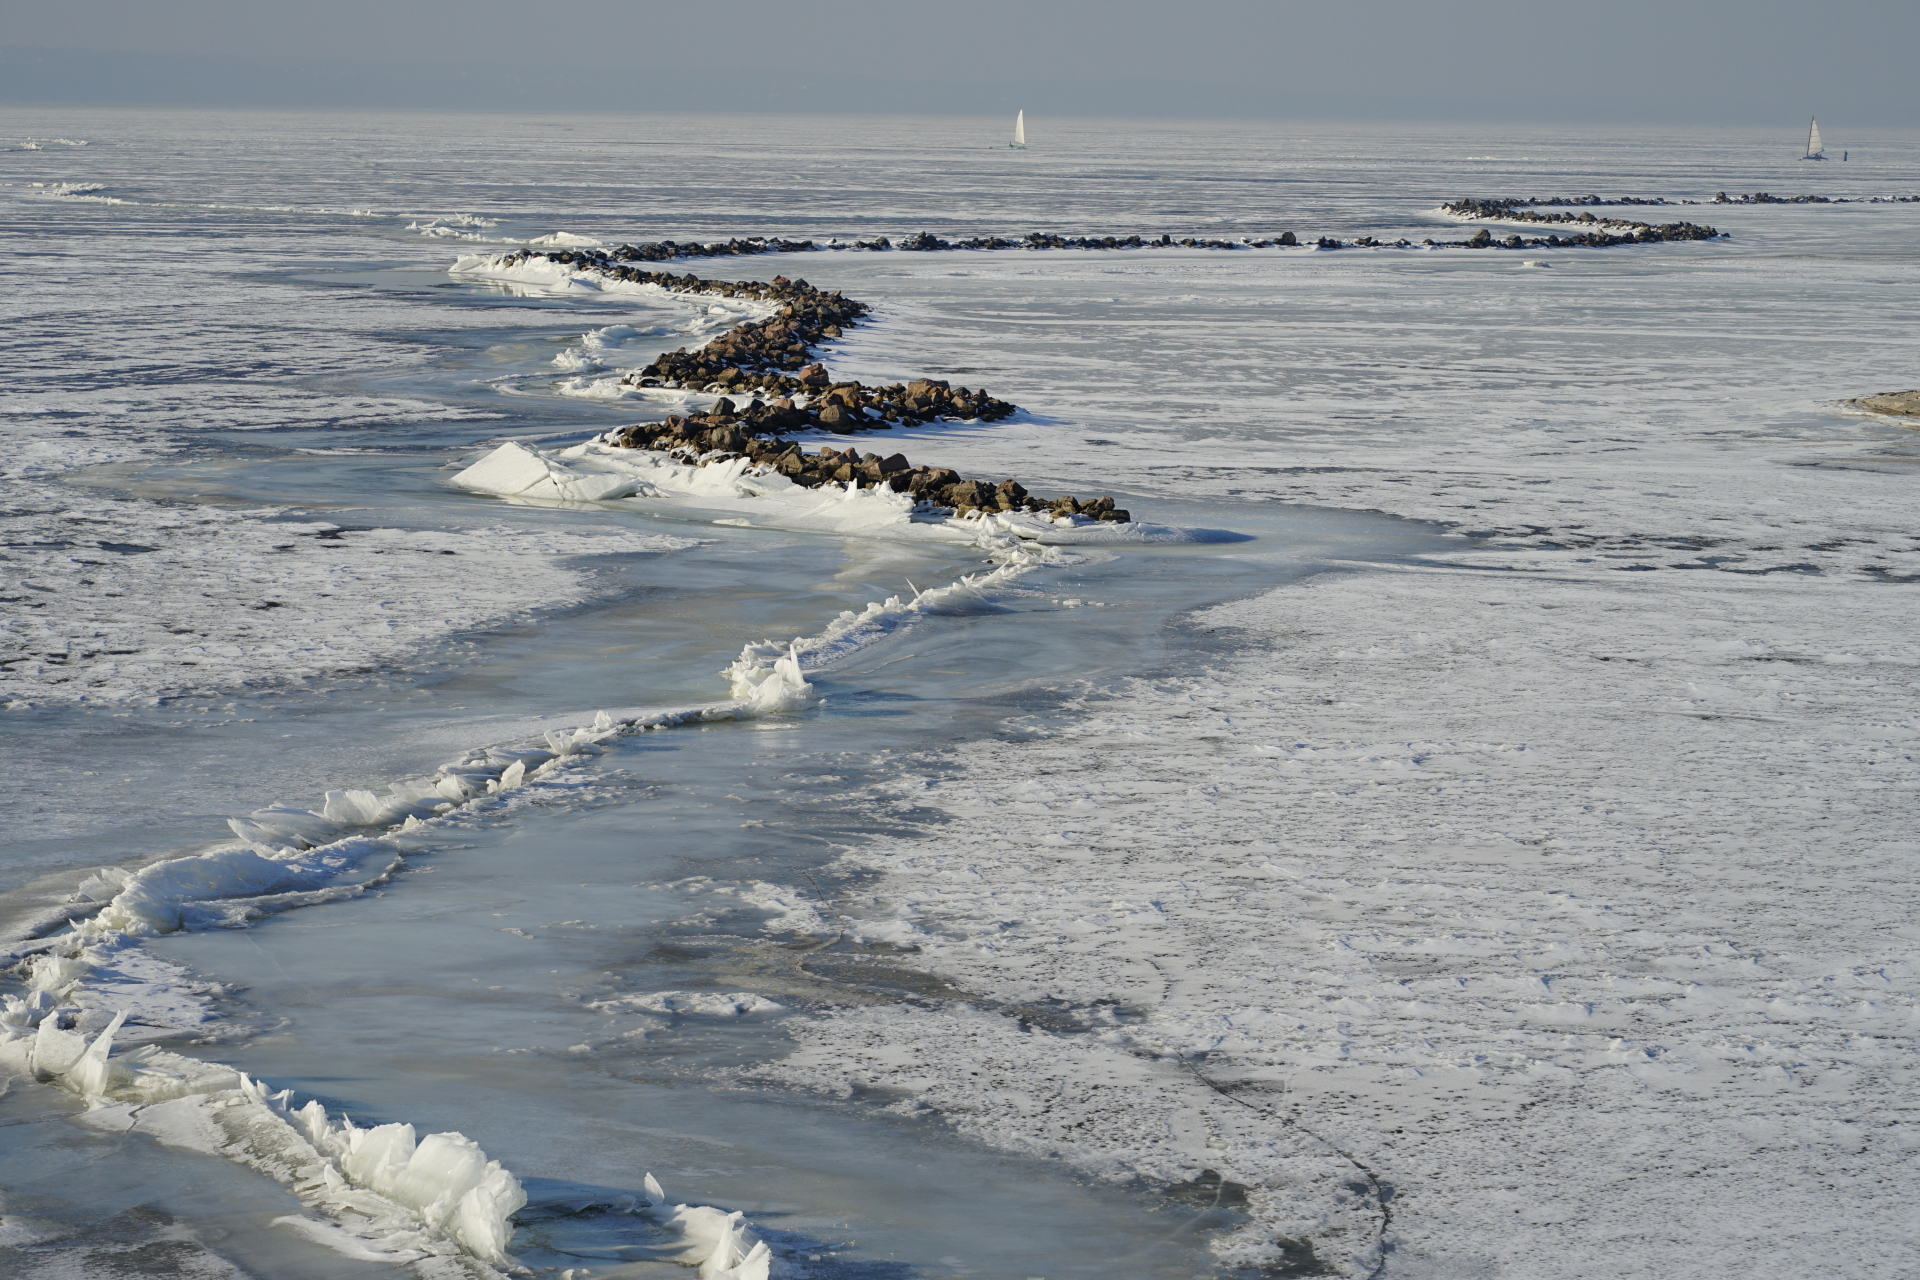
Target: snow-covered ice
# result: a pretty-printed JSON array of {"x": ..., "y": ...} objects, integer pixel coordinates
[{"x": 1533, "y": 905}]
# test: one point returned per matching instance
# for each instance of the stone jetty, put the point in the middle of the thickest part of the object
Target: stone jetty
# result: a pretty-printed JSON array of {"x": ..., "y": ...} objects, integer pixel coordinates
[
  {"x": 1593, "y": 232},
  {"x": 1576, "y": 201},
  {"x": 617, "y": 262},
  {"x": 756, "y": 357},
  {"x": 770, "y": 363},
  {"x": 775, "y": 355},
  {"x": 1762, "y": 197},
  {"x": 1719, "y": 197},
  {"x": 728, "y": 431}
]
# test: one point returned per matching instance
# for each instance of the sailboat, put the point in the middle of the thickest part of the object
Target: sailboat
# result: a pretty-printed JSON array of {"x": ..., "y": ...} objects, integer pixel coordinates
[
  {"x": 1019, "y": 130},
  {"x": 1814, "y": 150}
]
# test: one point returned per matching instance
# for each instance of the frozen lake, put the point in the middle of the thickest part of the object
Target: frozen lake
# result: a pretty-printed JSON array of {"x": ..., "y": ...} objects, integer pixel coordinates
[{"x": 1511, "y": 769}]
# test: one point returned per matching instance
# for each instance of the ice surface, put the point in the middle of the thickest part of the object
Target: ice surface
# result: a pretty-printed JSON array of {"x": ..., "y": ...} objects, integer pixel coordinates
[
  {"x": 119, "y": 601},
  {"x": 382, "y": 1194},
  {"x": 293, "y": 857},
  {"x": 1561, "y": 879}
]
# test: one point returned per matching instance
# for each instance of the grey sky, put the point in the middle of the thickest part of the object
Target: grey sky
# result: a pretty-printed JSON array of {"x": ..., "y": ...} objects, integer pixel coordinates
[{"x": 1671, "y": 61}]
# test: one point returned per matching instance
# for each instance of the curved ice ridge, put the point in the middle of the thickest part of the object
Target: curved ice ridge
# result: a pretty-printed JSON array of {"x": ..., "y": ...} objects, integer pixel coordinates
[{"x": 436, "y": 1203}]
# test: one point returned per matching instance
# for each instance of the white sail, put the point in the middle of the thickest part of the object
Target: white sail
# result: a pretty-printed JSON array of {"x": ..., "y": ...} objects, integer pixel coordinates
[
  {"x": 1813, "y": 140},
  {"x": 1020, "y": 129}
]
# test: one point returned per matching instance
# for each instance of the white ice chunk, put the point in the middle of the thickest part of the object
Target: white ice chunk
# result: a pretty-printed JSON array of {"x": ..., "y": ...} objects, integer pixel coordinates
[
  {"x": 515, "y": 471},
  {"x": 434, "y": 1196}
]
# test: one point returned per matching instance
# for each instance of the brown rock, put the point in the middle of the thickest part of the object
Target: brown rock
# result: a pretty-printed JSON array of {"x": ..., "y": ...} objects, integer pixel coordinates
[
  {"x": 967, "y": 494},
  {"x": 1905, "y": 404}
]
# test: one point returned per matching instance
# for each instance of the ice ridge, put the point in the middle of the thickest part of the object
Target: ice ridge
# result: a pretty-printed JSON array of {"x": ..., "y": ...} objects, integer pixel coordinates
[{"x": 436, "y": 1204}]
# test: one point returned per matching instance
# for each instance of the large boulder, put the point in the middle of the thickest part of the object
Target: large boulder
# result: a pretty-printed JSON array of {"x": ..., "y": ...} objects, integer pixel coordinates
[{"x": 968, "y": 494}]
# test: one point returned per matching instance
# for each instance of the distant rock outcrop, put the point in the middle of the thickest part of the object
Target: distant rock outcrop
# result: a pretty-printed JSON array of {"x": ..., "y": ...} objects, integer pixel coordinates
[{"x": 1905, "y": 404}]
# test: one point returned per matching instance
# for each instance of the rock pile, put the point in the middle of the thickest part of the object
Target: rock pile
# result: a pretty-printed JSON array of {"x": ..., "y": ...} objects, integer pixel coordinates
[
  {"x": 751, "y": 356},
  {"x": 1761, "y": 197},
  {"x": 924, "y": 243},
  {"x": 614, "y": 261},
  {"x": 1514, "y": 211},
  {"x": 1576, "y": 201},
  {"x": 847, "y": 407},
  {"x": 748, "y": 358},
  {"x": 1719, "y": 197},
  {"x": 754, "y": 357},
  {"x": 728, "y": 431}
]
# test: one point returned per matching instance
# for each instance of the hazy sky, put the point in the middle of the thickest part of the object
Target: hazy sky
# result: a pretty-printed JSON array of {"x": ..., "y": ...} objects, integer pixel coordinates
[{"x": 1753, "y": 62}]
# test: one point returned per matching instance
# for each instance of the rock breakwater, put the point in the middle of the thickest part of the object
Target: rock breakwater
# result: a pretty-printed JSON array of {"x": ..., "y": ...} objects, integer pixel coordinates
[
  {"x": 1762, "y": 197},
  {"x": 775, "y": 355},
  {"x": 728, "y": 431},
  {"x": 754, "y": 357},
  {"x": 925, "y": 242},
  {"x": 1595, "y": 232},
  {"x": 1544, "y": 202},
  {"x": 1719, "y": 197},
  {"x": 774, "y": 358}
]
